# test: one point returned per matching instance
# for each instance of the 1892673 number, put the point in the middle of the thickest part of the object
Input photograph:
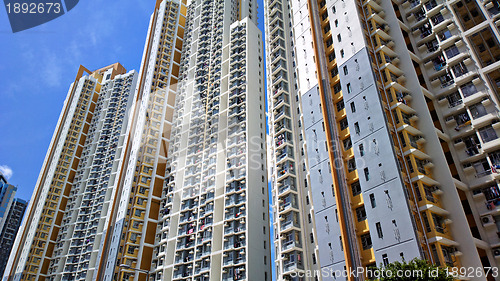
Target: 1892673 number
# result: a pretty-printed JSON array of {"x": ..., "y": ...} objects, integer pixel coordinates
[
  {"x": 34, "y": 8},
  {"x": 470, "y": 272}
]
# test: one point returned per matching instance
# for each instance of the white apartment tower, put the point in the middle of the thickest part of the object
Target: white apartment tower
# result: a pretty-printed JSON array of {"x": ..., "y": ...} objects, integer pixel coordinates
[
  {"x": 62, "y": 232},
  {"x": 77, "y": 252},
  {"x": 131, "y": 239},
  {"x": 294, "y": 237},
  {"x": 214, "y": 210},
  {"x": 395, "y": 106}
]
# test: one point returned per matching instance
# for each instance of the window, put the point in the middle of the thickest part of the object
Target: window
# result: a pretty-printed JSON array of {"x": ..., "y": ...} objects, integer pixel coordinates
[
  {"x": 340, "y": 105},
  {"x": 346, "y": 71},
  {"x": 468, "y": 89},
  {"x": 339, "y": 38},
  {"x": 385, "y": 259},
  {"x": 353, "y": 107},
  {"x": 402, "y": 139},
  {"x": 451, "y": 51},
  {"x": 356, "y": 128},
  {"x": 485, "y": 46},
  {"x": 361, "y": 213},
  {"x": 337, "y": 88},
  {"x": 482, "y": 168},
  {"x": 426, "y": 223},
  {"x": 477, "y": 110},
  {"x": 366, "y": 241},
  {"x": 367, "y": 174},
  {"x": 459, "y": 69},
  {"x": 379, "y": 230},
  {"x": 334, "y": 72},
  {"x": 351, "y": 165},
  {"x": 487, "y": 134},
  {"x": 349, "y": 88},
  {"x": 372, "y": 200},
  {"x": 329, "y": 42},
  {"x": 309, "y": 218},
  {"x": 361, "y": 150},
  {"x": 311, "y": 236},
  {"x": 343, "y": 124},
  {"x": 324, "y": 16},
  {"x": 454, "y": 99},
  {"x": 347, "y": 143},
  {"x": 342, "y": 53},
  {"x": 131, "y": 250},
  {"x": 314, "y": 258},
  {"x": 331, "y": 57},
  {"x": 355, "y": 188}
]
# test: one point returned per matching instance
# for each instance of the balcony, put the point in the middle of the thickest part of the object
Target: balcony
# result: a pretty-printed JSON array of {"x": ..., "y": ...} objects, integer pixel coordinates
[
  {"x": 285, "y": 168},
  {"x": 287, "y": 188},
  {"x": 285, "y": 153},
  {"x": 290, "y": 245},
  {"x": 289, "y": 224},
  {"x": 430, "y": 5},
  {"x": 444, "y": 81},
  {"x": 292, "y": 261},
  {"x": 283, "y": 139},
  {"x": 288, "y": 203}
]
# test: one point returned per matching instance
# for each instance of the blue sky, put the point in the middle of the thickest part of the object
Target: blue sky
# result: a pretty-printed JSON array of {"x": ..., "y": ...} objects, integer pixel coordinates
[{"x": 38, "y": 65}]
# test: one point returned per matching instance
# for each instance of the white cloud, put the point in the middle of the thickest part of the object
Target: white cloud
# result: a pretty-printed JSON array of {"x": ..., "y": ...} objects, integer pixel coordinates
[
  {"x": 52, "y": 70},
  {"x": 6, "y": 171}
]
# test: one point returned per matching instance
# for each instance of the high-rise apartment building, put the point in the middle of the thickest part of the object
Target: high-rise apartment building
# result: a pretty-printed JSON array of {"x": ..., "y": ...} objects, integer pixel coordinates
[
  {"x": 214, "y": 210},
  {"x": 9, "y": 230},
  {"x": 7, "y": 193},
  {"x": 294, "y": 238},
  {"x": 129, "y": 246},
  {"x": 68, "y": 214},
  {"x": 86, "y": 218},
  {"x": 396, "y": 109}
]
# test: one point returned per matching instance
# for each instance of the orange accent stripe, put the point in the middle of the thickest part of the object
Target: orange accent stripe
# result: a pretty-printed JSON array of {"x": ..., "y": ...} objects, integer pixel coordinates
[{"x": 342, "y": 223}]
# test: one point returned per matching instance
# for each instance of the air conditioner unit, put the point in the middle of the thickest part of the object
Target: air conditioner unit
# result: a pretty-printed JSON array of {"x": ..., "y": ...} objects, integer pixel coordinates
[
  {"x": 496, "y": 252},
  {"x": 487, "y": 219}
]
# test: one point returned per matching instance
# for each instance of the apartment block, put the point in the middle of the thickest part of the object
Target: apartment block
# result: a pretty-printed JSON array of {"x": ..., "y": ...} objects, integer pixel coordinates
[
  {"x": 60, "y": 237},
  {"x": 7, "y": 193},
  {"x": 293, "y": 216},
  {"x": 214, "y": 211},
  {"x": 9, "y": 230},
  {"x": 396, "y": 109},
  {"x": 130, "y": 243},
  {"x": 78, "y": 250}
]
